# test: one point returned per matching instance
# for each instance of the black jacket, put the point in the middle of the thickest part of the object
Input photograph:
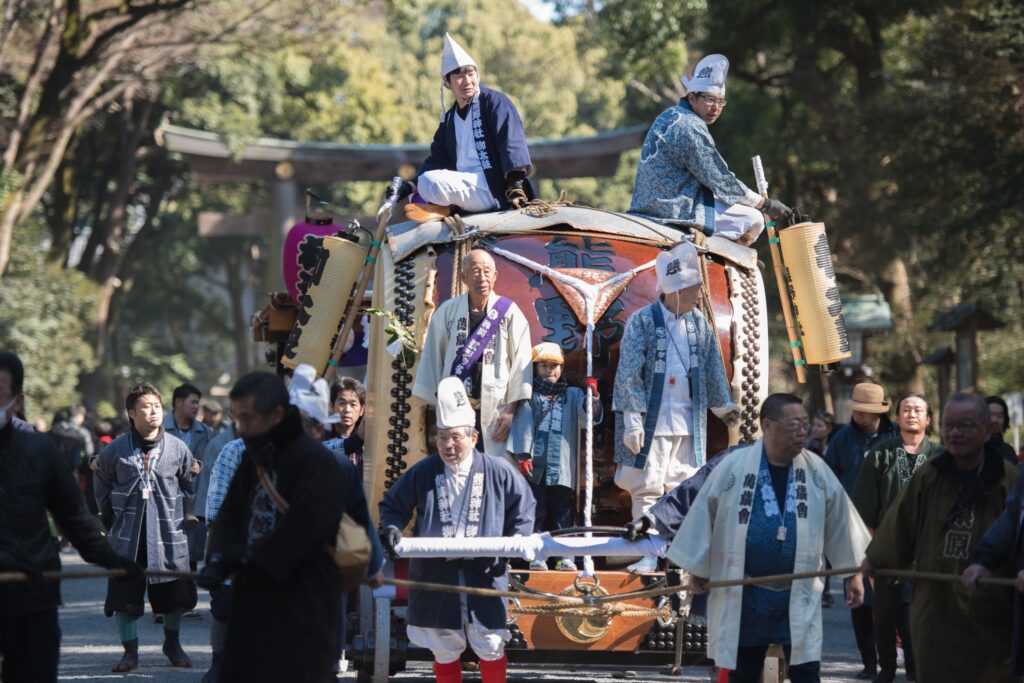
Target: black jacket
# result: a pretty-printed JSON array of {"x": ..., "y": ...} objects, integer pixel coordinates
[
  {"x": 34, "y": 479},
  {"x": 286, "y": 594}
]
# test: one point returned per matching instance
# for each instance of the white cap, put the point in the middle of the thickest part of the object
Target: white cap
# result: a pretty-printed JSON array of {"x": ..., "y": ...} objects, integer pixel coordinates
[
  {"x": 453, "y": 408},
  {"x": 677, "y": 268},
  {"x": 709, "y": 76},
  {"x": 453, "y": 57},
  {"x": 311, "y": 395}
]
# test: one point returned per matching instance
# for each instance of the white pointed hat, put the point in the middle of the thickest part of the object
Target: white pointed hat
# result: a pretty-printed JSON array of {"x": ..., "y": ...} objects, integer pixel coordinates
[
  {"x": 453, "y": 57},
  {"x": 709, "y": 76},
  {"x": 311, "y": 395},
  {"x": 677, "y": 268},
  {"x": 453, "y": 408}
]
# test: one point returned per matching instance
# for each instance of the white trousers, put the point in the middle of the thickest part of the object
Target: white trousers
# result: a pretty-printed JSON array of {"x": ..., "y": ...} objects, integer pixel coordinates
[
  {"x": 447, "y": 644},
  {"x": 670, "y": 463},
  {"x": 468, "y": 191},
  {"x": 732, "y": 222}
]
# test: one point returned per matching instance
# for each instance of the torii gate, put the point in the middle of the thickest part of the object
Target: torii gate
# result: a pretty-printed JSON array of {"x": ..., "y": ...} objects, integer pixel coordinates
[{"x": 287, "y": 166}]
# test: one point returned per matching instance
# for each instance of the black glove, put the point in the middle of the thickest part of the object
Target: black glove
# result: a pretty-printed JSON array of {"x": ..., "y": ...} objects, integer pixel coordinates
[
  {"x": 514, "y": 186},
  {"x": 132, "y": 570},
  {"x": 404, "y": 190},
  {"x": 353, "y": 444},
  {"x": 389, "y": 538},
  {"x": 775, "y": 209},
  {"x": 213, "y": 574},
  {"x": 637, "y": 529}
]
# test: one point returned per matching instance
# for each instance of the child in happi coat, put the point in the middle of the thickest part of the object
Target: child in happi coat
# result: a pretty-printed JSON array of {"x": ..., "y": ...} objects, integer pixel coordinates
[{"x": 545, "y": 441}]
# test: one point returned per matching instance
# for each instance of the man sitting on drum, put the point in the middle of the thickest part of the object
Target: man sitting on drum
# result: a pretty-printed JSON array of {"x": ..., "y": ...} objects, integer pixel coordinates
[
  {"x": 478, "y": 160},
  {"x": 458, "y": 492},
  {"x": 670, "y": 372},
  {"x": 484, "y": 340},
  {"x": 682, "y": 179}
]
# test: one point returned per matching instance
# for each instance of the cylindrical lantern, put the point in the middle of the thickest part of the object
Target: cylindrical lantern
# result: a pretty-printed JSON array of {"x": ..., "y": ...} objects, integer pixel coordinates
[
  {"x": 814, "y": 292},
  {"x": 301, "y": 249},
  {"x": 324, "y": 302}
]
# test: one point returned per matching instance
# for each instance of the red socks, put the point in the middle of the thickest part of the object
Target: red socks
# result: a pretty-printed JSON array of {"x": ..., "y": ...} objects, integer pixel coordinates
[
  {"x": 494, "y": 671},
  {"x": 449, "y": 673}
]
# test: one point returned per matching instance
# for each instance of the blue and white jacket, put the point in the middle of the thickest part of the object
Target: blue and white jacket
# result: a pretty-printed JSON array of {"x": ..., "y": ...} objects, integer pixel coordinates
[{"x": 681, "y": 172}]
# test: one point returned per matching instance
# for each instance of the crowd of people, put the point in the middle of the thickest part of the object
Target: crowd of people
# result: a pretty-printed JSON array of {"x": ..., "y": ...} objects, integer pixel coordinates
[{"x": 266, "y": 510}]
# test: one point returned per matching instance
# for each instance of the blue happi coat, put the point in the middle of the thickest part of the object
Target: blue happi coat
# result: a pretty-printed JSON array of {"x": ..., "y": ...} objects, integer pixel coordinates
[
  {"x": 118, "y": 487},
  {"x": 634, "y": 379},
  {"x": 681, "y": 172},
  {"x": 556, "y": 453},
  {"x": 506, "y": 509},
  {"x": 503, "y": 137}
]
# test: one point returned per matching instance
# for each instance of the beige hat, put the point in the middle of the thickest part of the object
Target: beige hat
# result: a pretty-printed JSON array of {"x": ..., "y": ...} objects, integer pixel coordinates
[
  {"x": 869, "y": 398},
  {"x": 453, "y": 408},
  {"x": 548, "y": 352}
]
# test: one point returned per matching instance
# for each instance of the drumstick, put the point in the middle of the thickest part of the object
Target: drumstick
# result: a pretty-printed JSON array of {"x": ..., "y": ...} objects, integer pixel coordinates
[{"x": 780, "y": 277}]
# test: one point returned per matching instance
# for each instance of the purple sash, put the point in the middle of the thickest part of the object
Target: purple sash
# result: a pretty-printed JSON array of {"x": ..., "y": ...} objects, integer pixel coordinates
[{"x": 478, "y": 341}]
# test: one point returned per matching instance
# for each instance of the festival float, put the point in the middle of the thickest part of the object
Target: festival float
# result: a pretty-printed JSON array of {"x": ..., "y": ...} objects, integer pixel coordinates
[{"x": 577, "y": 273}]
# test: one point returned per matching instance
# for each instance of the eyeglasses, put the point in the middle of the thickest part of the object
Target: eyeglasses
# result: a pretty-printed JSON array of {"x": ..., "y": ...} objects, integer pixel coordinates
[
  {"x": 963, "y": 426},
  {"x": 801, "y": 427},
  {"x": 453, "y": 437},
  {"x": 713, "y": 101}
]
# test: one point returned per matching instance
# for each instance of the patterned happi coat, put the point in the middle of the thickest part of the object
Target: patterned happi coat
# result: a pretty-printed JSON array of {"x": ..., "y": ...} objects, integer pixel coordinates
[
  {"x": 500, "y": 504},
  {"x": 635, "y": 379},
  {"x": 681, "y": 172}
]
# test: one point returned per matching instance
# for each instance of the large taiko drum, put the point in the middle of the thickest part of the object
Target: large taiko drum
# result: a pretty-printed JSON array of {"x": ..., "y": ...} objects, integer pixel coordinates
[{"x": 416, "y": 273}]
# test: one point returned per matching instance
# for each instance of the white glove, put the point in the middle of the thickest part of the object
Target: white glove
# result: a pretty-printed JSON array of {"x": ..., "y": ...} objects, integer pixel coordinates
[
  {"x": 633, "y": 436},
  {"x": 729, "y": 414}
]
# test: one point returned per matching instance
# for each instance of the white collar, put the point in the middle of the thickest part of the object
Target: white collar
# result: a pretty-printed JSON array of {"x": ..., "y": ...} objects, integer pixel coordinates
[{"x": 669, "y": 315}]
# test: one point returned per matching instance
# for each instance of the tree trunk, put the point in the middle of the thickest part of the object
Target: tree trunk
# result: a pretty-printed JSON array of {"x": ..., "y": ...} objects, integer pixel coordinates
[
  {"x": 239, "y": 317},
  {"x": 908, "y": 368}
]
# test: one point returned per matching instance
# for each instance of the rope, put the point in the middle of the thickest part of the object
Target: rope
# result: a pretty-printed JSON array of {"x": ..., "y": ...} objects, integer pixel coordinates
[
  {"x": 604, "y": 612},
  {"x": 21, "y": 577}
]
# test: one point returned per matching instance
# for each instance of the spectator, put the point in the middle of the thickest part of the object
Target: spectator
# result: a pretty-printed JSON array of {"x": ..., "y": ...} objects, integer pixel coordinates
[
  {"x": 885, "y": 472},
  {"x": 213, "y": 417},
  {"x": 999, "y": 422},
  {"x": 821, "y": 432},
  {"x": 868, "y": 425},
  {"x": 182, "y": 423},
  {"x": 348, "y": 401},
  {"x": 35, "y": 481},
  {"x": 139, "y": 481}
]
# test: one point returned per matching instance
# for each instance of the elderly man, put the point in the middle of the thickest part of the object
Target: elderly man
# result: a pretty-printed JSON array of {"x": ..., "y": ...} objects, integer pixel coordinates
[
  {"x": 935, "y": 526},
  {"x": 885, "y": 472},
  {"x": 281, "y": 511},
  {"x": 484, "y": 340},
  {"x": 141, "y": 480},
  {"x": 682, "y": 179},
  {"x": 770, "y": 508},
  {"x": 458, "y": 492},
  {"x": 670, "y": 372},
  {"x": 478, "y": 160}
]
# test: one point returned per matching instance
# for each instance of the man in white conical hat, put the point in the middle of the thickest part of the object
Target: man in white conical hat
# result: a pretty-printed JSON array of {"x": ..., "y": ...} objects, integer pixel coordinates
[
  {"x": 670, "y": 372},
  {"x": 682, "y": 179},
  {"x": 478, "y": 160},
  {"x": 458, "y": 492}
]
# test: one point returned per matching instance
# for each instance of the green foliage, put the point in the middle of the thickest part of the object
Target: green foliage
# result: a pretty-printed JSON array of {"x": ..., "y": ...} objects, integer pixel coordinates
[{"x": 44, "y": 317}]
